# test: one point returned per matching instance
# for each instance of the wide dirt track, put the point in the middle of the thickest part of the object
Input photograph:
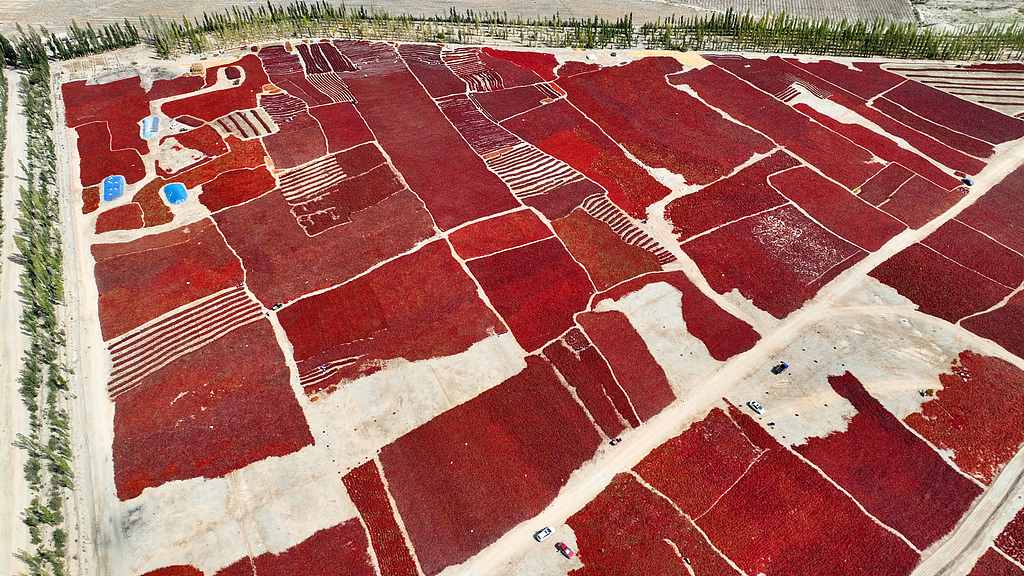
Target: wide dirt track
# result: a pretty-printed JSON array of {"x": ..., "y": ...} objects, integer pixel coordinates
[{"x": 250, "y": 402}]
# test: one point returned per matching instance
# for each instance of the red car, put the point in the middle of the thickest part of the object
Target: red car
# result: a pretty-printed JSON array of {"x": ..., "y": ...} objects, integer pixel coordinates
[{"x": 565, "y": 550}]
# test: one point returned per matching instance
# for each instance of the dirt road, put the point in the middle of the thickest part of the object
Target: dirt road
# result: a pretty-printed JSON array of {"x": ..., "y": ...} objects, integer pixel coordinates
[{"x": 13, "y": 415}]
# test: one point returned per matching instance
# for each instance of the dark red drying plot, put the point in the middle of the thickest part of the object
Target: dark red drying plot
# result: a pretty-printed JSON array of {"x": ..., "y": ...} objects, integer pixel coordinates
[
  {"x": 1011, "y": 540},
  {"x": 167, "y": 88},
  {"x": 884, "y": 184},
  {"x": 783, "y": 517},
  {"x": 998, "y": 212},
  {"x": 283, "y": 263},
  {"x": 897, "y": 477},
  {"x": 636, "y": 370},
  {"x": 298, "y": 141},
  {"x": 90, "y": 199},
  {"x": 631, "y": 104},
  {"x": 121, "y": 103},
  {"x": 977, "y": 414},
  {"x": 697, "y": 467},
  {"x": 124, "y": 217},
  {"x": 1001, "y": 325},
  {"x": 955, "y": 140},
  {"x": 865, "y": 79},
  {"x": 992, "y": 563},
  {"x": 236, "y": 186},
  {"x": 606, "y": 257},
  {"x": 588, "y": 374},
  {"x": 179, "y": 570},
  {"x": 435, "y": 161},
  {"x": 466, "y": 477},
  {"x": 285, "y": 70},
  {"x": 744, "y": 193},
  {"x": 938, "y": 285},
  {"x": 366, "y": 489},
  {"x": 144, "y": 278},
  {"x": 96, "y": 159},
  {"x": 342, "y": 126},
  {"x": 778, "y": 259},
  {"x": 208, "y": 413},
  {"x": 919, "y": 201},
  {"x": 425, "y": 62},
  {"x": 541, "y": 63},
  {"x": 975, "y": 250},
  {"x": 836, "y": 157},
  {"x": 536, "y": 288},
  {"x": 722, "y": 333},
  {"x": 956, "y": 114},
  {"x": 338, "y": 551},
  {"x": 887, "y": 149},
  {"x": 629, "y": 530},
  {"x": 321, "y": 57},
  {"x": 836, "y": 208},
  {"x": 563, "y": 132},
  {"x": 498, "y": 233},
  {"x": 209, "y": 105},
  {"x": 422, "y": 305},
  {"x": 503, "y": 104}
]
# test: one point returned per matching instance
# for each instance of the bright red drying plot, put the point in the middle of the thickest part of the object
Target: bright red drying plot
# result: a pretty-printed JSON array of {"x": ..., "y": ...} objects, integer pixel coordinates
[
  {"x": 144, "y": 278},
  {"x": 207, "y": 413},
  {"x": 896, "y": 476},
  {"x": 466, "y": 477},
  {"x": 536, "y": 288}
]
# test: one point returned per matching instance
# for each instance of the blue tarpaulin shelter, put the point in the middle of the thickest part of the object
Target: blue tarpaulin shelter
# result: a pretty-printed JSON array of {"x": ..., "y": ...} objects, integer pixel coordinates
[
  {"x": 150, "y": 126},
  {"x": 175, "y": 193},
  {"x": 113, "y": 187}
]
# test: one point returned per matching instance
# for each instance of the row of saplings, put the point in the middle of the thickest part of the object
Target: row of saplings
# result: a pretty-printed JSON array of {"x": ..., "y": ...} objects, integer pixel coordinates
[{"x": 43, "y": 386}]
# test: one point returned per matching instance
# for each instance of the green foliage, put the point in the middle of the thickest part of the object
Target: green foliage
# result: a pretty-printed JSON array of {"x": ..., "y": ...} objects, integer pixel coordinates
[
  {"x": 43, "y": 387},
  {"x": 728, "y": 32}
]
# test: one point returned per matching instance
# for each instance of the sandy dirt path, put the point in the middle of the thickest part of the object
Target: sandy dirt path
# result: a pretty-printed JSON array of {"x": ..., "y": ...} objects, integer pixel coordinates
[
  {"x": 959, "y": 551},
  {"x": 13, "y": 414},
  {"x": 589, "y": 481}
]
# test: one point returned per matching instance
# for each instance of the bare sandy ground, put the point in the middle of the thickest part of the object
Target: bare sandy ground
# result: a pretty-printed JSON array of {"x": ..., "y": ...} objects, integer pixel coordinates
[{"x": 13, "y": 343}]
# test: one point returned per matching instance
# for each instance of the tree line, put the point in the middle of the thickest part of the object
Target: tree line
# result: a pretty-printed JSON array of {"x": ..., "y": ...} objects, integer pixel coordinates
[
  {"x": 729, "y": 31},
  {"x": 42, "y": 382}
]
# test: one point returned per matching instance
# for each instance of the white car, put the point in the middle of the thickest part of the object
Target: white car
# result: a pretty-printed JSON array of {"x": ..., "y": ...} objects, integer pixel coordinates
[
  {"x": 540, "y": 536},
  {"x": 756, "y": 407}
]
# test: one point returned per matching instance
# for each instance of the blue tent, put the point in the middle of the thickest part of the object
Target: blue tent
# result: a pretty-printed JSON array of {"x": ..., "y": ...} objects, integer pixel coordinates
[
  {"x": 150, "y": 126},
  {"x": 113, "y": 187},
  {"x": 175, "y": 193}
]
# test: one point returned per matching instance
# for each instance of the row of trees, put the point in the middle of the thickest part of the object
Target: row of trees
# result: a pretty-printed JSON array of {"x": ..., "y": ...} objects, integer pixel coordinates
[
  {"x": 730, "y": 31},
  {"x": 75, "y": 43},
  {"x": 43, "y": 386}
]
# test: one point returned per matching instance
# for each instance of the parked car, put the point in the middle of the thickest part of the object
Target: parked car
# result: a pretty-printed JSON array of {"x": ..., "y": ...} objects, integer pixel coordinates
[
  {"x": 565, "y": 550},
  {"x": 779, "y": 368},
  {"x": 543, "y": 534},
  {"x": 756, "y": 407},
  {"x": 616, "y": 441},
  {"x": 967, "y": 181}
]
